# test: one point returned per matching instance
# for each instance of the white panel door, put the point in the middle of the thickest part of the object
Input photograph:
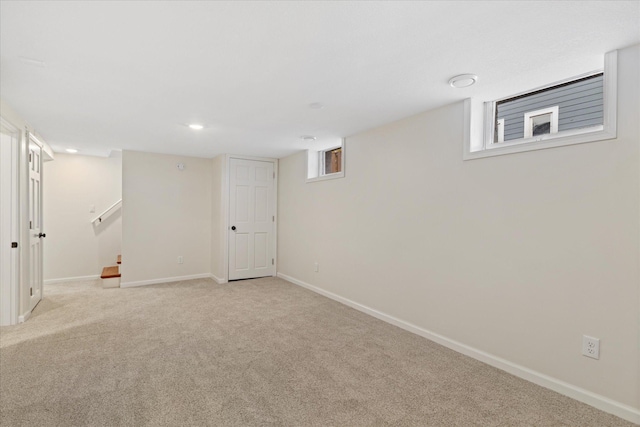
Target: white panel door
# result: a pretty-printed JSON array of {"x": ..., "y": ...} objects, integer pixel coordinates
[
  {"x": 35, "y": 224},
  {"x": 251, "y": 219}
]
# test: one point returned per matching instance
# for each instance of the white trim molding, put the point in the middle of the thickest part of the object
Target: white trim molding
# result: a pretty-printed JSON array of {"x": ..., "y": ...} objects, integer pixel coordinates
[
  {"x": 164, "y": 280},
  {"x": 71, "y": 279},
  {"x": 218, "y": 280},
  {"x": 24, "y": 317},
  {"x": 585, "y": 396}
]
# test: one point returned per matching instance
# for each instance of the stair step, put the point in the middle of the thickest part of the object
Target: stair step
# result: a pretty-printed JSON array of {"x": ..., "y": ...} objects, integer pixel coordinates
[
  {"x": 110, "y": 272},
  {"x": 119, "y": 259}
]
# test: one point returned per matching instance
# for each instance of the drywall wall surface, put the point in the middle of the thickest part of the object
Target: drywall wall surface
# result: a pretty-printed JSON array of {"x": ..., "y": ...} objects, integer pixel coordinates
[
  {"x": 218, "y": 233},
  {"x": 74, "y": 186},
  {"x": 166, "y": 214},
  {"x": 517, "y": 256}
]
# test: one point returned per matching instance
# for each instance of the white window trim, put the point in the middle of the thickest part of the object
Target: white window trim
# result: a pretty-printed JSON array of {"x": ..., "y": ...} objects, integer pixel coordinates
[
  {"x": 528, "y": 120},
  {"x": 479, "y": 127},
  {"x": 318, "y": 164}
]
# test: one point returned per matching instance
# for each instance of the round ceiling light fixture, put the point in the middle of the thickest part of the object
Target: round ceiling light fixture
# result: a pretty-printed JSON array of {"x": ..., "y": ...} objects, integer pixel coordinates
[
  {"x": 71, "y": 150},
  {"x": 308, "y": 138},
  {"x": 463, "y": 80},
  {"x": 196, "y": 126}
]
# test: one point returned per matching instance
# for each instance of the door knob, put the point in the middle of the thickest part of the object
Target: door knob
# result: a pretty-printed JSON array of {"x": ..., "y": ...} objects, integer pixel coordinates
[
  {"x": 233, "y": 227},
  {"x": 41, "y": 235}
]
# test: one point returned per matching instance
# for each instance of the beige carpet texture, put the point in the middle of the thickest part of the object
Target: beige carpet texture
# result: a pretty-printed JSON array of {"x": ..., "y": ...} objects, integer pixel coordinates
[{"x": 258, "y": 352}]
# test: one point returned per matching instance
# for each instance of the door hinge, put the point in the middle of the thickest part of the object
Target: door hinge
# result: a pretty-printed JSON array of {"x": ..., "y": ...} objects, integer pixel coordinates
[
  {"x": 30, "y": 292},
  {"x": 273, "y": 218},
  {"x": 30, "y": 225},
  {"x": 272, "y": 261},
  {"x": 14, "y": 244},
  {"x": 274, "y": 175}
]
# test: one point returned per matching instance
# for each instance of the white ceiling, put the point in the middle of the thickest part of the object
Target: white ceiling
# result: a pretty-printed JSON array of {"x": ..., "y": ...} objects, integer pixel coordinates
[{"x": 131, "y": 75}]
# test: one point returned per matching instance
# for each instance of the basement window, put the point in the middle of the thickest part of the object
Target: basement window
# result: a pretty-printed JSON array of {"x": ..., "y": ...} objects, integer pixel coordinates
[
  {"x": 325, "y": 163},
  {"x": 573, "y": 111}
]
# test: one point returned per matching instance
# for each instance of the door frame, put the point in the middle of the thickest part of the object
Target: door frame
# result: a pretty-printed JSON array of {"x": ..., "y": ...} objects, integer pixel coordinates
[
  {"x": 10, "y": 293},
  {"x": 226, "y": 193},
  {"x": 31, "y": 138}
]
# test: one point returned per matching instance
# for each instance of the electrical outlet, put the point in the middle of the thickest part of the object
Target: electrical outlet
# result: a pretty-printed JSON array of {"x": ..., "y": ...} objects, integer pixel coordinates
[
  {"x": 316, "y": 267},
  {"x": 180, "y": 260},
  {"x": 591, "y": 347}
]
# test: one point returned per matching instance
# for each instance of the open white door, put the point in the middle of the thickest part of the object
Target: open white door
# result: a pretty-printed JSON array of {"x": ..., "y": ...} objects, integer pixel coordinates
[
  {"x": 35, "y": 224},
  {"x": 251, "y": 219}
]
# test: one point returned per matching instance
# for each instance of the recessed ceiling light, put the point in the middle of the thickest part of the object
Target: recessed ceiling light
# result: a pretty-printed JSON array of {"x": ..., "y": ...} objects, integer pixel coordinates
[
  {"x": 316, "y": 106},
  {"x": 463, "y": 80},
  {"x": 71, "y": 150},
  {"x": 196, "y": 126},
  {"x": 308, "y": 137}
]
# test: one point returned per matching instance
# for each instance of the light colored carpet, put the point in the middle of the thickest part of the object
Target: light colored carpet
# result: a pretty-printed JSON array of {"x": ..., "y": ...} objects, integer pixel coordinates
[{"x": 257, "y": 352}]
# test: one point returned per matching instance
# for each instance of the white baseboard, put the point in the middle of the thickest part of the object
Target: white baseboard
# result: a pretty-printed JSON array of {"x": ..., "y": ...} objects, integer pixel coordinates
[
  {"x": 71, "y": 279},
  {"x": 23, "y": 318},
  {"x": 164, "y": 280},
  {"x": 603, "y": 403},
  {"x": 218, "y": 279}
]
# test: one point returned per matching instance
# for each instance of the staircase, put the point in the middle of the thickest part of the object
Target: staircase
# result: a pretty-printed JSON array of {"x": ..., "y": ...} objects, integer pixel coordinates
[{"x": 111, "y": 275}]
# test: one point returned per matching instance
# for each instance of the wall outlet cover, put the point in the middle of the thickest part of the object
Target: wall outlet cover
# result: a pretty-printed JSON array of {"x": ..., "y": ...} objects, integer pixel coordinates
[{"x": 591, "y": 347}]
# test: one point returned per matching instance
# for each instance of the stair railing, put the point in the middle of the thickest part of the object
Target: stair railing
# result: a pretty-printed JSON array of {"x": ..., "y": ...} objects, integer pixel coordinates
[{"x": 111, "y": 209}]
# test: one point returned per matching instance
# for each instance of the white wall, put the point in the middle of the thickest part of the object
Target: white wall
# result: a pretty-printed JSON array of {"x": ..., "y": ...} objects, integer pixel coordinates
[
  {"x": 517, "y": 256},
  {"x": 74, "y": 247},
  {"x": 166, "y": 213},
  {"x": 218, "y": 232}
]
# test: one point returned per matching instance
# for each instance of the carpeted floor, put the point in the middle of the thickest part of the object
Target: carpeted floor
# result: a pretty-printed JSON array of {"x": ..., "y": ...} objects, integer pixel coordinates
[{"x": 257, "y": 352}]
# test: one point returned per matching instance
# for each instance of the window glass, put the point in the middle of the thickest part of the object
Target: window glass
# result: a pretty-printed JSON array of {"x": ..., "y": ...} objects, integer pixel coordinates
[
  {"x": 333, "y": 161},
  {"x": 541, "y": 124},
  {"x": 580, "y": 104}
]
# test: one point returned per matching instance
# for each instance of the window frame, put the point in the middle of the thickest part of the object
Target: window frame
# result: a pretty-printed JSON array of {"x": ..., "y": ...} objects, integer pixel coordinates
[
  {"x": 480, "y": 121},
  {"x": 316, "y": 162}
]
